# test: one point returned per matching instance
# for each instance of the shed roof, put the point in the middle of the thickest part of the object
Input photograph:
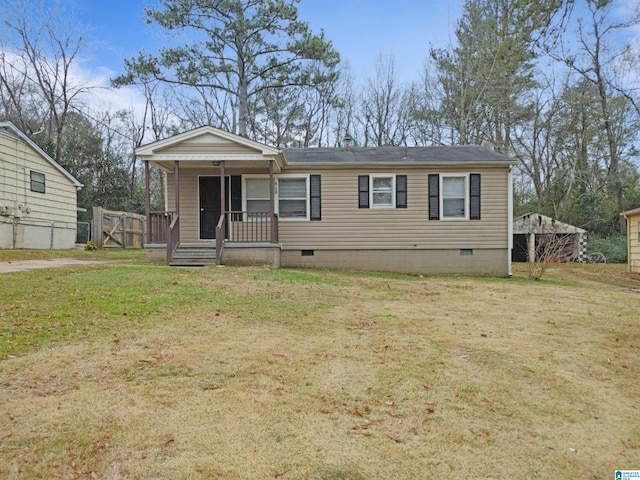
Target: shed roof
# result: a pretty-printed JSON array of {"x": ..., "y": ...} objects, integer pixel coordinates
[
  {"x": 541, "y": 224},
  {"x": 11, "y": 130},
  {"x": 634, "y": 211},
  {"x": 432, "y": 155}
]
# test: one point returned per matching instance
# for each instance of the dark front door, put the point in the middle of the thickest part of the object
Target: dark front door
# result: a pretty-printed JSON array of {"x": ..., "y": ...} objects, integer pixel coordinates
[{"x": 210, "y": 205}]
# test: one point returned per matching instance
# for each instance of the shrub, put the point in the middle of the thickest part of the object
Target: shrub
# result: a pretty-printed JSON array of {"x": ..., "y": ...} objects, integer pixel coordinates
[
  {"x": 550, "y": 249},
  {"x": 90, "y": 246},
  {"x": 612, "y": 246}
]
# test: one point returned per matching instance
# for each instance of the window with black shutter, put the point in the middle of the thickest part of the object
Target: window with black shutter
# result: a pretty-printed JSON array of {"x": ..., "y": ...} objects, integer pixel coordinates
[
  {"x": 434, "y": 196},
  {"x": 236, "y": 197},
  {"x": 363, "y": 191},
  {"x": 474, "y": 196},
  {"x": 315, "y": 197},
  {"x": 401, "y": 191}
]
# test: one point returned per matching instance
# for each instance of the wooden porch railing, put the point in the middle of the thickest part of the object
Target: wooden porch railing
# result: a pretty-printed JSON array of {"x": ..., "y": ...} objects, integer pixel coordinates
[
  {"x": 234, "y": 226},
  {"x": 220, "y": 236},
  {"x": 157, "y": 228},
  {"x": 173, "y": 236},
  {"x": 252, "y": 227}
]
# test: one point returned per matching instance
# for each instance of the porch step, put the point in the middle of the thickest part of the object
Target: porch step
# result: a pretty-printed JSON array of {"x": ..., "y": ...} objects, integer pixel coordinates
[{"x": 194, "y": 257}]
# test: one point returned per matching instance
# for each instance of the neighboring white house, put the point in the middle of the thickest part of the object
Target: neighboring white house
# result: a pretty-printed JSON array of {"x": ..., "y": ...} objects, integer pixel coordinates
[{"x": 38, "y": 198}]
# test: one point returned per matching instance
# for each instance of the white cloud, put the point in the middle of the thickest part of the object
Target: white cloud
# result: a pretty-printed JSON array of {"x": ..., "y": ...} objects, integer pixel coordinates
[{"x": 101, "y": 96}]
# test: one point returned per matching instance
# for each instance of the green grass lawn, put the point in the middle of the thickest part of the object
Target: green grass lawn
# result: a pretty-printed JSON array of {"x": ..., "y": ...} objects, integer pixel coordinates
[{"x": 134, "y": 370}]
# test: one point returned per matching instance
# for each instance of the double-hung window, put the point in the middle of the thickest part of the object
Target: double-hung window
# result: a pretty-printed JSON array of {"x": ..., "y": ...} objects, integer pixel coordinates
[
  {"x": 454, "y": 196},
  {"x": 293, "y": 198},
  {"x": 297, "y": 197},
  {"x": 37, "y": 182},
  {"x": 257, "y": 195},
  {"x": 382, "y": 191}
]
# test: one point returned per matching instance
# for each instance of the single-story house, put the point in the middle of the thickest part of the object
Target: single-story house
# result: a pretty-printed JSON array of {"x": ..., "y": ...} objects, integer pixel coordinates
[
  {"x": 633, "y": 239},
  {"x": 38, "y": 198},
  {"x": 532, "y": 230},
  {"x": 401, "y": 209}
]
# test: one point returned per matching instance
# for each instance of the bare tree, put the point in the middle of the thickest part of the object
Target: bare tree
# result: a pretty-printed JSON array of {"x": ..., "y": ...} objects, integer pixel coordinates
[
  {"x": 384, "y": 112},
  {"x": 596, "y": 61},
  {"x": 44, "y": 45},
  {"x": 428, "y": 120},
  {"x": 550, "y": 247}
]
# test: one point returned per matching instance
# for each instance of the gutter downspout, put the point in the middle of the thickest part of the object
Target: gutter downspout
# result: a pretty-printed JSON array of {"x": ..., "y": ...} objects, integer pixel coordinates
[
  {"x": 510, "y": 219},
  {"x": 147, "y": 203},
  {"x": 628, "y": 243},
  {"x": 14, "y": 240},
  {"x": 272, "y": 203}
]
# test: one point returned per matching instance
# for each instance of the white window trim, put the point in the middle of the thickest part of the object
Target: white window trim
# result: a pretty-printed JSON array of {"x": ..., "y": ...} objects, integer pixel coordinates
[
  {"x": 308, "y": 199},
  {"x": 393, "y": 190},
  {"x": 466, "y": 196}
]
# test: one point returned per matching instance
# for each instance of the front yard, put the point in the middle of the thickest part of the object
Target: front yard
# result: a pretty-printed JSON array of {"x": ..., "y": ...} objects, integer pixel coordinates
[{"x": 133, "y": 370}]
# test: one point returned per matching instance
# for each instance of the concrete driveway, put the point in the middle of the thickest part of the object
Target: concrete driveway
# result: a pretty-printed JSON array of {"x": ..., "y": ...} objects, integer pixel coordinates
[{"x": 8, "y": 266}]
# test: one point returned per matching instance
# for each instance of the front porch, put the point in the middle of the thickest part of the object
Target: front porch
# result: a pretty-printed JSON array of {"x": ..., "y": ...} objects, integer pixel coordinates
[
  {"x": 220, "y": 200},
  {"x": 242, "y": 238}
]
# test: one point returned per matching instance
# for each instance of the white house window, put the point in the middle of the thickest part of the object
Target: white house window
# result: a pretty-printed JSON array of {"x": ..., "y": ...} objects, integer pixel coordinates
[
  {"x": 454, "y": 196},
  {"x": 37, "y": 182},
  {"x": 292, "y": 197},
  {"x": 382, "y": 191},
  {"x": 257, "y": 194}
]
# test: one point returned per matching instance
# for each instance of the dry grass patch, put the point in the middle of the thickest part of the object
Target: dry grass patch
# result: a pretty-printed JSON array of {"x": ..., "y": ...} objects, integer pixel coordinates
[{"x": 252, "y": 374}]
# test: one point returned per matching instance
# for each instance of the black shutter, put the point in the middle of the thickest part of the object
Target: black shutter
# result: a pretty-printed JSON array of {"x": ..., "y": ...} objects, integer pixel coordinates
[
  {"x": 401, "y": 191},
  {"x": 474, "y": 196},
  {"x": 434, "y": 196},
  {"x": 236, "y": 197},
  {"x": 363, "y": 191},
  {"x": 316, "y": 204}
]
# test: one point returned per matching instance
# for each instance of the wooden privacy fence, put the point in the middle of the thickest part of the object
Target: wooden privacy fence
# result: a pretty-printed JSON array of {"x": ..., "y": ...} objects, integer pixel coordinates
[{"x": 118, "y": 229}]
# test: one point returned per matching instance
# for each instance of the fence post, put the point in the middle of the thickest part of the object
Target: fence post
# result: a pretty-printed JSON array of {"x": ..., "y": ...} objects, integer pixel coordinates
[
  {"x": 125, "y": 221},
  {"x": 97, "y": 226}
]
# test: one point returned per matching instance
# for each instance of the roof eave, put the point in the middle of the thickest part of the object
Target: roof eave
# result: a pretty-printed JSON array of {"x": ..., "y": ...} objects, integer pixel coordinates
[
  {"x": 404, "y": 164},
  {"x": 630, "y": 212},
  {"x": 152, "y": 147}
]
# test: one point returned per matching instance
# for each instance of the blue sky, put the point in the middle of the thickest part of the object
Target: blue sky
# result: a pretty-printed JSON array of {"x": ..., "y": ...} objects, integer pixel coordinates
[{"x": 359, "y": 29}]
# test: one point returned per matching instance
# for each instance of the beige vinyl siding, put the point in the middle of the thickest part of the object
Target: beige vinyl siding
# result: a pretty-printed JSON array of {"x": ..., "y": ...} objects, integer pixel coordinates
[
  {"x": 633, "y": 243},
  {"x": 205, "y": 145},
  {"x": 190, "y": 198},
  {"x": 17, "y": 160},
  {"x": 345, "y": 226},
  {"x": 37, "y": 220},
  {"x": 189, "y": 201}
]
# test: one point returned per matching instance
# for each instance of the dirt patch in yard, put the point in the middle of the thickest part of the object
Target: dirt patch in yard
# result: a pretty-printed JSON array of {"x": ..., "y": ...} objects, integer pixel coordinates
[
  {"x": 614, "y": 276},
  {"x": 9, "y": 266}
]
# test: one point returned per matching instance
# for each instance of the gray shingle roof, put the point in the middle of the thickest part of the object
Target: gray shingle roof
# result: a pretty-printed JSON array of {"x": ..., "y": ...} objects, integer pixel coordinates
[{"x": 406, "y": 155}]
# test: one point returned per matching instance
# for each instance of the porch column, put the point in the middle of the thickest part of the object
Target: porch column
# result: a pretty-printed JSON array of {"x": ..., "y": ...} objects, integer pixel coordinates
[
  {"x": 176, "y": 175},
  {"x": 147, "y": 201},
  {"x": 272, "y": 201},
  {"x": 223, "y": 194}
]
